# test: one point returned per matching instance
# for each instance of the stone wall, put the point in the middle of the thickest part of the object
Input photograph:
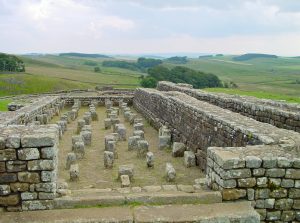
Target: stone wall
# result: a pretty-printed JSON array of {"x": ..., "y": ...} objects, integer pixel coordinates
[
  {"x": 86, "y": 100},
  {"x": 47, "y": 106},
  {"x": 276, "y": 113},
  {"x": 28, "y": 167},
  {"x": 269, "y": 176},
  {"x": 201, "y": 125}
]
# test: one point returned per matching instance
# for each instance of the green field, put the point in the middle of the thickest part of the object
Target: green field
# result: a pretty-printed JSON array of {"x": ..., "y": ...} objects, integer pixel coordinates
[
  {"x": 3, "y": 104},
  {"x": 264, "y": 78}
]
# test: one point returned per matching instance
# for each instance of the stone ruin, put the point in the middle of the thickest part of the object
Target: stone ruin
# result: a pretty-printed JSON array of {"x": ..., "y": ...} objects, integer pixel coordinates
[{"x": 248, "y": 148}]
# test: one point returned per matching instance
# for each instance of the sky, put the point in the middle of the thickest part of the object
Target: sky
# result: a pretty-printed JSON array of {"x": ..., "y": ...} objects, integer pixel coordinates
[{"x": 150, "y": 26}]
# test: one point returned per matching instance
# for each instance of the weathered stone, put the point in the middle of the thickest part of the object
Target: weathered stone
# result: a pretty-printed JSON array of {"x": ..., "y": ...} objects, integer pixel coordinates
[
  {"x": 294, "y": 193},
  {"x": 2, "y": 142},
  {"x": 19, "y": 187},
  {"x": 28, "y": 154},
  {"x": 126, "y": 170},
  {"x": 142, "y": 148},
  {"x": 125, "y": 181},
  {"x": 87, "y": 137},
  {"x": 288, "y": 216},
  {"x": 121, "y": 133},
  {"x": 13, "y": 141},
  {"x": 293, "y": 173},
  {"x": 262, "y": 193},
  {"x": 250, "y": 194},
  {"x": 275, "y": 172},
  {"x": 262, "y": 182},
  {"x": 170, "y": 172},
  {"x": 28, "y": 196},
  {"x": 247, "y": 182},
  {"x": 253, "y": 162},
  {"x": 48, "y": 176},
  {"x": 132, "y": 142},
  {"x": 8, "y": 178},
  {"x": 2, "y": 167},
  {"x": 279, "y": 193},
  {"x": 169, "y": 187},
  {"x": 45, "y": 187},
  {"x": 9, "y": 200},
  {"x": 37, "y": 205},
  {"x": 4, "y": 190},
  {"x": 164, "y": 142},
  {"x": 287, "y": 183},
  {"x": 108, "y": 159},
  {"x": 258, "y": 172},
  {"x": 15, "y": 166},
  {"x": 48, "y": 152},
  {"x": 71, "y": 159},
  {"x": 284, "y": 162},
  {"x": 152, "y": 188},
  {"x": 237, "y": 173},
  {"x": 139, "y": 133},
  {"x": 8, "y": 154},
  {"x": 186, "y": 188},
  {"x": 107, "y": 123},
  {"x": 80, "y": 125},
  {"x": 41, "y": 165},
  {"x": 178, "y": 149},
  {"x": 150, "y": 159},
  {"x": 79, "y": 150},
  {"x": 269, "y": 203},
  {"x": 233, "y": 194},
  {"x": 269, "y": 162},
  {"x": 38, "y": 140},
  {"x": 284, "y": 204},
  {"x": 189, "y": 159},
  {"x": 138, "y": 127}
]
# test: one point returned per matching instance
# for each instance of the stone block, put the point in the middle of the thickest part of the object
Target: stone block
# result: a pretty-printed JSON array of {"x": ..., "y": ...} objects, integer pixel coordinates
[
  {"x": 170, "y": 172},
  {"x": 283, "y": 162},
  {"x": 48, "y": 152},
  {"x": 189, "y": 159},
  {"x": 46, "y": 187},
  {"x": 46, "y": 196},
  {"x": 262, "y": 193},
  {"x": 38, "y": 140},
  {"x": 15, "y": 166},
  {"x": 233, "y": 194},
  {"x": 121, "y": 130},
  {"x": 287, "y": 183},
  {"x": 293, "y": 173},
  {"x": 8, "y": 154},
  {"x": 262, "y": 181},
  {"x": 178, "y": 149},
  {"x": 2, "y": 142},
  {"x": 237, "y": 174},
  {"x": 71, "y": 159},
  {"x": 294, "y": 193},
  {"x": 275, "y": 172},
  {"x": 247, "y": 182},
  {"x": 13, "y": 141},
  {"x": 108, "y": 159},
  {"x": 125, "y": 181},
  {"x": 164, "y": 142},
  {"x": 4, "y": 190},
  {"x": 79, "y": 150},
  {"x": 279, "y": 193},
  {"x": 132, "y": 142},
  {"x": 37, "y": 205},
  {"x": 139, "y": 133},
  {"x": 138, "y": 127},
  {"x": 269, "y": 162},
  {"x": 258, "y": 172},
  {"x": 28, "y": 154},
  {"x": 2, "y": 167},
  {"x": 8, "y": 178},
  {"x": 107, "y": 123},
  {"x": 287, "y": 216},
  {"x": 284, "y": 204},
  {"x": 41, "y": 165},
  {"x": 28, "y": 196},
  {"x": 142, "y": 148},
  {"x": 126, "y": 170},
  {"x": 87, "y": 137},
  {"x": 19, "y": 187},
  {"x": 9, "y": 200},
  {"x": 150, "y": 159},
  {"x": 80, "y": 125},
  {"x": 253, "y": 162},
  {"x": 48, "y": 176}
]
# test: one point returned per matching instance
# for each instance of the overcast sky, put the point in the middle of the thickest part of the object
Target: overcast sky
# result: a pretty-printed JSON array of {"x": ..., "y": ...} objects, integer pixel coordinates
[{"x": 150, "y": 26}]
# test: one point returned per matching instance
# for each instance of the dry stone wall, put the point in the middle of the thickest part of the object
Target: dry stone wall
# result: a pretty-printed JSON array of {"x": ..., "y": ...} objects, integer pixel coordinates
[
  {"x": 100, "y": 100},
  {"x": 201, "y": 125},
  {"x": 28, "y": 167},
  {"x": 269, "y": 176},
  {"x": 279, "y": 114}
]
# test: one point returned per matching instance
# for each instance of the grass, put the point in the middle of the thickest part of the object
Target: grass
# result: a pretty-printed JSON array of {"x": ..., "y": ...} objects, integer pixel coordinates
[
  {"x": 3, "y": 104},
  {"x": 257, "y": 94}
]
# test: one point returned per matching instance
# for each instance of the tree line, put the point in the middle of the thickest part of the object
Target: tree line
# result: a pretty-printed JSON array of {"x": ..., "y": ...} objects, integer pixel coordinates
[{"x": 11, "y": 63}]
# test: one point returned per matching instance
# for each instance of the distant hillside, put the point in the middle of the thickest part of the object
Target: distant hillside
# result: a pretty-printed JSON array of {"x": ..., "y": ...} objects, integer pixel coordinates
[
  {"x": 249, "y": 56},
  {"x": 177, "y": 60},
  {"x": 84, "y": 55}
]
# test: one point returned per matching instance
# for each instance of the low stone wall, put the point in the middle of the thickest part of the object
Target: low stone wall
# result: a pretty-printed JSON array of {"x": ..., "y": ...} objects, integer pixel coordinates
[
  {"x": 279, "y": 114},
  {"x": 200, "y": 124},
  {"x": 28, "y": 167},
  {"x": 269, "y": 176},
  {"x": 86, "y": 100},
  {"x": 49, "y": 106}
]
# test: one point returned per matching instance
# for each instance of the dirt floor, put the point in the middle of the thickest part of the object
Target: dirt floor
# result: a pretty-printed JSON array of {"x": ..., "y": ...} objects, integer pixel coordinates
[{"x": 92, "y": 171}]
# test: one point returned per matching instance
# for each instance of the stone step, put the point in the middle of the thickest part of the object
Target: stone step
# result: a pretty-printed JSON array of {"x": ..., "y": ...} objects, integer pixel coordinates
[
  {"x": 219, "y": 212},
  {"x": 97, "y": 198}
]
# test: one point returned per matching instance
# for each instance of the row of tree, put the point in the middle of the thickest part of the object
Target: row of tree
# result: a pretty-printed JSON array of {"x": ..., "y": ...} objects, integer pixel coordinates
[
  {"x": 11, "y": 63},
  {"x": 180, "y": 74}
]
